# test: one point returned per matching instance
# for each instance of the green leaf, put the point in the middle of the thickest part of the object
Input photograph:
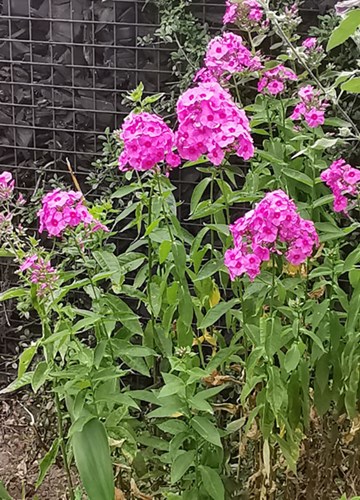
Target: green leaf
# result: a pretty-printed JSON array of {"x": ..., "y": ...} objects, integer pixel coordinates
[
  {"x": 206, "y": 430},
  {"x": 18, "y": 383},
  {"x": 217, "y": 312},
  {"x": 298, "y": 176},
  {"x": 292, "y": 358},
  {"x": 210, "y": 268},
  {"x": 346, "y": 28},
  {"x": 351, "y": 260},
  {"x": 4, "y": 495},
  {"x": 5, "y": 253},
  {"x": 319, "y": 312},
  {"x": 324, "y": 200},
  {"x": 25, "y": 359},
  {"x": 181, "y": 465},
  {"x": 124, "y": 314},
  {"x": 276, "y": 391},
  {"x": 212, "y": 482},
  {"x": 47, "y": 461},
  {"x": 125, "y": 190},
  {"x": 198, "y": 192},
  {"x": 315, "y": 338},
  {"x": 325, "y": 143},
  {"x": 92, "y": 457},
  {"x": 352, "y": 85},
  {"x": 39, "y": 376},
  {"x": 164, "y": 250},
  {"x": 12, "y": 293}
]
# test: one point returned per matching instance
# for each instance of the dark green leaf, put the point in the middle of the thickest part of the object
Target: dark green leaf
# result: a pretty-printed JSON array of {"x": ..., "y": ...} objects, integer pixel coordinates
[
  {"x": 212, "y": 482},
  {"x": 25, "y": 359},
  {"x": 206, "y": 430},
  {"x": 217, "y": 312},
  {"x": 47, "y": 461},
  {"x": 92, "y": 457},
  {"x": 181, "y": 465}
]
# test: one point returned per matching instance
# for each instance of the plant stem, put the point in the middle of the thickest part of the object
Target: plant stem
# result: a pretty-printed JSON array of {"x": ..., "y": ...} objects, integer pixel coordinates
[
  {"x": 92, "y": 284},
  {"x": 212, "y": 236},
  {"x": 62, "y": 445},
  {"x": 164, "y": 208},
  {"x": 150, "y": 265},
  {"x": 272, "y": 286},
  {"x": 268, "y": 119},
  {"x": 302, "y": 61},
  {"x": 227, "y": 208}
]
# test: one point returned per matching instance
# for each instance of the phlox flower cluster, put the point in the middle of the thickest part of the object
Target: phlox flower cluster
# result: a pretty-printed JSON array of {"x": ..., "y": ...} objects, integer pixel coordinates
[
  {"x": 245, "y": 13},
  {"x": 273, "y": 80},
  {"x": 211, "y": 124},
  {"x": 309, "y": 43},
  {"x": 6, "y": 185},
  {"x": 289, "y": 18},
  {"x": 273, "y": 226},
  {"x": 65, "y": 209},
  {"x": 40, "y": 272},
  {"x": 311, "y": 107},
  {"x": 344, "y": 181},
  {"x": 225, "y": 56},
  {"x": 148, "y": 141}
]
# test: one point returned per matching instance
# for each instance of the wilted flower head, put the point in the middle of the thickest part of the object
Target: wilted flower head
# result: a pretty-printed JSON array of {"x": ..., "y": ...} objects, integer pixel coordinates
[
  {"x": 148, "y": 141},
  {"x": 247, "y": 14},
  {"x": 226, "y": 55},
  {"x": 210, "y": 123},
  {"x": 274, "y": 226},
  {"x": 65, "y": 209},
  {"x": 344, "y": 181},
  {"x": 273, "y": 79},
  {"x": 40, "y": 272},
  {"x": 6, "y": 185},
  {"x": 311, "y": 107}
]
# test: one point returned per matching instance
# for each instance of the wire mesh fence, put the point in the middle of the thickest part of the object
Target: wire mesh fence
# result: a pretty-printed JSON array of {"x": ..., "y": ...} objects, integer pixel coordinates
[{"x": 65, "y": 65}]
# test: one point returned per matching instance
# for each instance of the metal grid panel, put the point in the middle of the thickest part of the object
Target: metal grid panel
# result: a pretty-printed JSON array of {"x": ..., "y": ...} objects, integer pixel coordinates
[{"x": 64, "y": 66}]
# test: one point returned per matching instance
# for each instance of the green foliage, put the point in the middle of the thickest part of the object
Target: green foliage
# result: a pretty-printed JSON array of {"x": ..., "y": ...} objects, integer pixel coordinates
[{"x": 164, "y": 365}]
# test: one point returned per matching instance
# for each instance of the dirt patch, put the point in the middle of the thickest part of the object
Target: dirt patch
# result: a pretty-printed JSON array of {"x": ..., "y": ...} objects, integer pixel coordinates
[{"x": 26, "y": 428}]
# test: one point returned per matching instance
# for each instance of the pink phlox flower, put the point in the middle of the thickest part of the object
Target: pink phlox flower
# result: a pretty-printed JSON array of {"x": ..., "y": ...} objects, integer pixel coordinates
[
  {"x": 211, "y": 123},
  {"x": 148, "y": 141},
  {"x": 272, "y": 227},
  {"x": 7, "y": 184},
  {"x": 41, "y": 273},
  {"x": 226, "y": 55},
  {"x": 273, "y": 80},
  {"x": 344, "y": 181},
  {"x": 311, "y": 107},
  {"x": 245, "y": 13},
  {"x": 309, "y": 43},
  {"x": 64, "y": 209}
]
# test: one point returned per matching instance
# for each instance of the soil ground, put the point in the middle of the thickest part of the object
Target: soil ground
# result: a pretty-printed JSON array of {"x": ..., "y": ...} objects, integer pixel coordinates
[{"x": 329, "y": 465}]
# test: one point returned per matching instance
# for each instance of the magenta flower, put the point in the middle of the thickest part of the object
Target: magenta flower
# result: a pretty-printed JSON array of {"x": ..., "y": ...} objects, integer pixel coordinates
[
  {"x": 210, "y": 123},
  {"x": 6, "y": 185},
  {"x": 225, "y": 56},
  {"x": 274, "y": 226},
  {"x": 309, "y": 43},
  {"x": 344, "y": 181},
  {"x": 40, "y": 273},
  {"x": 314, "y": 117},
  {"x": 273, "y": 79},
  {"x": 148, "y": 141},
  {"x": 245, "y": 13},
  {"x": 310, "y": 107},
  {"x": 65, "y": 209}
]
